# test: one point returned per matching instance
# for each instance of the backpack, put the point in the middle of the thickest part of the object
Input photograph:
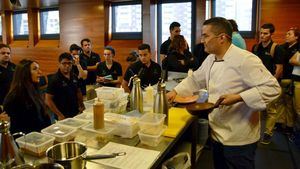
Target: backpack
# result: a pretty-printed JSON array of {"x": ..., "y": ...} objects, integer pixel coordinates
[{"x": 272, "y": 51}]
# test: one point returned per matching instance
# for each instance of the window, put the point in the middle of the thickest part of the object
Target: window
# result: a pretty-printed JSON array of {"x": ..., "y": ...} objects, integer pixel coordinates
[
  {"x": 127, "y": 20},
  {"x": 49, "y": 24},
  {"x": 243, "y": 12},
  {"x": 169, "y": 14},
  {"x": 20, "y": 25}
]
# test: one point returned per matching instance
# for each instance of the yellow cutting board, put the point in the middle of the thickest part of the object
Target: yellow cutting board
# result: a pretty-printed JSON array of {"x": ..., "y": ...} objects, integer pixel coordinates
[{"x": 178, "y": 117}]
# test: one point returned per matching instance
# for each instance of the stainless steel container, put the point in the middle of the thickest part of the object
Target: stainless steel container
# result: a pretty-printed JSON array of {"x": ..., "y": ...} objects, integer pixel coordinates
[
  {"x": 136, "y": 95},
  {"x": 161, "y": 103},
  {"x": 72, "y": 155}
]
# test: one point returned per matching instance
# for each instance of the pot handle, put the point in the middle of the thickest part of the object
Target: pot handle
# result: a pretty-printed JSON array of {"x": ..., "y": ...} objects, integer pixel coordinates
[{"x": 103, "y": 156}]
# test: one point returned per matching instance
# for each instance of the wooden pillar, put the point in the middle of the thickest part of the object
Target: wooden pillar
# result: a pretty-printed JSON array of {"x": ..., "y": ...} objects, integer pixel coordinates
[
  {"x": 7, "y": 36},
  {"x": 200, "y": 18},
  {"x": 33, "y": 26},
  {"x": 149, "y": 16}
]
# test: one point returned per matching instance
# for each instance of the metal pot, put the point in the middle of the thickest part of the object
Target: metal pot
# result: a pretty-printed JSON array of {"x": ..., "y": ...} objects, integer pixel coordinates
[{"x": 72, "y": 155}]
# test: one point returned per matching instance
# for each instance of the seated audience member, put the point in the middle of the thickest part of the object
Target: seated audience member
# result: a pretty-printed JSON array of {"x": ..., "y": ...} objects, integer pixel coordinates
[
  {"x": 237, "y": 39},
  {"x": 200, "y": 53},
  {"x": 148, "y": 71},
  {"x": 90, "y": 59},
  {"x": 179, "y": 59},
  {"x": 63, "y": 95},
  {"x": 132, "y": 57},
  {"x": 7, "y": 69},
  {"x": 109, "y": 72},
  {"x": 79, "y": 67},
  {"x": 23, "y": 103}
]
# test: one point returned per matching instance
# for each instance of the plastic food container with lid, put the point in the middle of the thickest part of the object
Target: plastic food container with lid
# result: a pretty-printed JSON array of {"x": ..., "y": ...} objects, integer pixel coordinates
[
  {"x": 73, "y": 122},
  {"x": 35, "y": 143},
  {"x": 60, "y": 132},
  {"x": 125, "y": 126},
  {"x": 104, "y": 134},
  {"x": 109, "y": 93},
  {"x": 151, "y": 139},
  {"x": 152, "y": 122}
]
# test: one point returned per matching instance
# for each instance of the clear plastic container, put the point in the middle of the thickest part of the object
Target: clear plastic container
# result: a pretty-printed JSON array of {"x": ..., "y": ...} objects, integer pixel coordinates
[
  {"x": 89, "y": 117},
  {"x": 152, "y": 122},
  {"x": 89, "y": 105},
  {"x": 125, "y": 126},
  {"x": 60, "y": 132},
  {"x": 104, "y": 134},
  {"x": 109, "y": 93},
  {"x": 35, "y": 143},
  {"x": 151, "y": 139},
  {"x": 73, "y": 122}
]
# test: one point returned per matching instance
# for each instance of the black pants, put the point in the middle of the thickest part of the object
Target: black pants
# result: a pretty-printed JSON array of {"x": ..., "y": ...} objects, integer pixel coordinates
[{"x": 233, "y": 157}]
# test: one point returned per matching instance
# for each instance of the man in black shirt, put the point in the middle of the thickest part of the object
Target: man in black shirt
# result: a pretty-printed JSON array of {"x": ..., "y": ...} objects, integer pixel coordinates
[
  {"x": 164, "y": 47},
  {"x": 272, "y": 56},
  {"x": 7, "y": 69},
  {"x": 148, "y": 71},
  {"x": 63, "y": 95},
  {"x": 79, "y": 67},
  {"x": 90, "y": 59}
]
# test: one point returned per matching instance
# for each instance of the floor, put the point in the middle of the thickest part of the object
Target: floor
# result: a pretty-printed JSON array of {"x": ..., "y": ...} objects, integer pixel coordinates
[{"x": 279, "y": 154}]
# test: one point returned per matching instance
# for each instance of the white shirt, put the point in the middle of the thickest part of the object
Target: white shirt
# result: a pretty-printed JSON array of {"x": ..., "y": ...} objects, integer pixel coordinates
[{"x": 241, "y": 73}]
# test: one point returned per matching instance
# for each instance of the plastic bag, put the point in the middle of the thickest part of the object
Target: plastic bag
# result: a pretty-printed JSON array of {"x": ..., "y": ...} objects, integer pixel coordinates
[{"x": 179, "y": 161}]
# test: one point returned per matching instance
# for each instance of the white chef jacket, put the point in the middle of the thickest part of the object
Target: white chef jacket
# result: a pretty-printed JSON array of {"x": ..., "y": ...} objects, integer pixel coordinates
[{"x": 240, "y": 72}]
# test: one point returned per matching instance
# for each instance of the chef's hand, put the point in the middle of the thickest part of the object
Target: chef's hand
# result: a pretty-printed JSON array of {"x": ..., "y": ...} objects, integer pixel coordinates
[
  {"x": 100, "y": 79},
  {"x": 4, "y": 117},
  {"x": 171, "y": 96},
  {"x": 76, "y": 60},
  {"x": 229, "y": 99}
]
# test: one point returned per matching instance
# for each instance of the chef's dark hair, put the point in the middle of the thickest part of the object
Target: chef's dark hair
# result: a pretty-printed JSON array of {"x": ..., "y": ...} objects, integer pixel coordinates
[
  {"x": 219, "y": 25},
  {"x": 110, "y": 48}
]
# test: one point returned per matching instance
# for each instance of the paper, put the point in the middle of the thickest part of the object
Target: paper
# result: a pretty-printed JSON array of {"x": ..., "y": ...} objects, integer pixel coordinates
[{"x": 135, "y": 157}]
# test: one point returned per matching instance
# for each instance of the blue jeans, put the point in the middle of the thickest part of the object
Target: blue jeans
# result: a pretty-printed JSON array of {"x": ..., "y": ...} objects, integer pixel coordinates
[{"x": 233, "y": 157}]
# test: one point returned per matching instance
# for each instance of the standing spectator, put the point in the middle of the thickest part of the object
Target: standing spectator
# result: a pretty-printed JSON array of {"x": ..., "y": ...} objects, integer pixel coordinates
[
  {"x": 148, "y": 71},
  {"x": 285, "y": 105},
  {"x": 79, "y": 67},
  {"x": 7, "y": 69},
  {"x": 23, "y": 103},
  {"x": 272, "y": 56},
  {"x": 63, "y": 95},
  {"x": 90, "y": 59},
  {"x": 109, "y": 72},
  {"x": 237, "y": 39},
  {"x": 179, "y": 59},
  {"x": 227, "y": 73},
  {"x": 295, "y": 61},
  {"x": 164, "y": 47}
]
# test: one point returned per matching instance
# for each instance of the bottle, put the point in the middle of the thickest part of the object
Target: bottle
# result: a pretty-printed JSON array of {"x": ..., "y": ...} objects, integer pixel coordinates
[
  {"x": 161, "y": 103},
  {"x": 149, "y": 96},
  {"x": 136, "y": 95},
  {"x": 98, "y": 115},
  {"x": 9, "y": 152}
]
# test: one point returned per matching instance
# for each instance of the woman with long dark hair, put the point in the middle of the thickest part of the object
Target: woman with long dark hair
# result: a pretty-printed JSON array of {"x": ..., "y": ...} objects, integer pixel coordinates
[
  {"x": 23, "y": 102},
  {"x": 179, "y": 59}
]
